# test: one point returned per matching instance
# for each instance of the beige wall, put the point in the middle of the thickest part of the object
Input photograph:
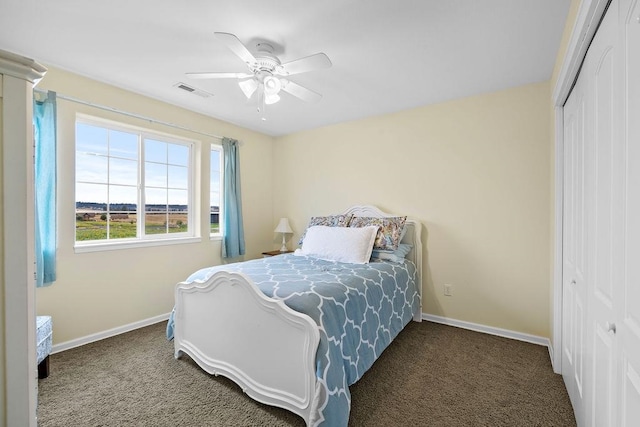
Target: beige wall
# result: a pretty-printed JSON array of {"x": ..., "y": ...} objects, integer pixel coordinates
[
  {"x": 564, "y": 42},
  {"x": 98, "y": 291},
  {"x": 474, "y": 171}
]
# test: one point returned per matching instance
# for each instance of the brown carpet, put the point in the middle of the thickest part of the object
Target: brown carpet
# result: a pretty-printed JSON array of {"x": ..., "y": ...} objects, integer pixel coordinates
[{"x": 431, "y": 375}]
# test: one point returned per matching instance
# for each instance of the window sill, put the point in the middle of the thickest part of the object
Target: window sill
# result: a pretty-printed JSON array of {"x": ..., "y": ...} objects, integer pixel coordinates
[
  {"x": 113, "y": 246},
  {"x": 215, "y": 237}
]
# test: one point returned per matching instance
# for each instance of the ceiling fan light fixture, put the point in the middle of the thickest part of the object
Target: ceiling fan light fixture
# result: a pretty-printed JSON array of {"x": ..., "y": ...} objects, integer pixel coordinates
[
  {"x": 272, "y": 85},
  {"x": 261, "y": 82},
  {"x": 270, "y": 99},
  {"x": 248, "y": 87}
]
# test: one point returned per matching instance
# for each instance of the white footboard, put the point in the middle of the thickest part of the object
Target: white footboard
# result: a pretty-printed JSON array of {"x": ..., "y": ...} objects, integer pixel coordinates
[{"x": 230, "y": 328}]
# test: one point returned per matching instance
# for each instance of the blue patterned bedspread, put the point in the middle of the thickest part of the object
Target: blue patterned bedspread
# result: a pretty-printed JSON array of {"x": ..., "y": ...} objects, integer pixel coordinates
[{"x": 359, "y": 308}]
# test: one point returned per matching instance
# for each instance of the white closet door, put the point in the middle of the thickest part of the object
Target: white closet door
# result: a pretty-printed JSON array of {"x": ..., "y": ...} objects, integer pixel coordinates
[
  {"x": 629, "y": 297},
  {"x": 574, "y": 295},
  {"x": 601, "y": 329},
  {"x": 606, "y": 248}
]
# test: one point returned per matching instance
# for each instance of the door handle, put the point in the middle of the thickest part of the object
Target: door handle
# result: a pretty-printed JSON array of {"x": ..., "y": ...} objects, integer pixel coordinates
[
  {"x": 573, "y": 282},
  {"x": 611, "y": 328}
]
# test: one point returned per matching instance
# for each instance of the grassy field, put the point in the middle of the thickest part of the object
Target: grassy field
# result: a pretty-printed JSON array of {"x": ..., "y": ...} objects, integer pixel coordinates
[
  {"x": 125, "y": 228},
  {"x": 97, "y": 230}
]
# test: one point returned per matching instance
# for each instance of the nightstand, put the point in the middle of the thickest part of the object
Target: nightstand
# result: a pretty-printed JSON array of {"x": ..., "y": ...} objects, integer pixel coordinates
[{"x": 274, "y": 253}]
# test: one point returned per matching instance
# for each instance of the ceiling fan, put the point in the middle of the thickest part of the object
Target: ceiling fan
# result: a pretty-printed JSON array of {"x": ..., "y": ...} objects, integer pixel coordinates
[{"x": 267, "y": 76}]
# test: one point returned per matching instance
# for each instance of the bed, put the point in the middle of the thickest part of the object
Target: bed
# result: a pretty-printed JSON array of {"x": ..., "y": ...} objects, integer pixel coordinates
[
  {"x": 294, "y": 331},
  {"x": 44, "y": 340}
]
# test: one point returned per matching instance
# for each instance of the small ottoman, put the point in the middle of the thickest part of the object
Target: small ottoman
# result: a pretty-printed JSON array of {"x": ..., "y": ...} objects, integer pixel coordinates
[{"x": 44, "y": 339}]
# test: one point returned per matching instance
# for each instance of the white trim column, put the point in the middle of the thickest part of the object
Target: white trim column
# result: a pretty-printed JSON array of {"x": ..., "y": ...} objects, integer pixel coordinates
[{"x": 19, "y": 376}]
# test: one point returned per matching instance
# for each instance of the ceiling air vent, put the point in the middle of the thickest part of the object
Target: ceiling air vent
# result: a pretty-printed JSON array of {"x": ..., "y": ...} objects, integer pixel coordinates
[{"x": 192, "y": 90}]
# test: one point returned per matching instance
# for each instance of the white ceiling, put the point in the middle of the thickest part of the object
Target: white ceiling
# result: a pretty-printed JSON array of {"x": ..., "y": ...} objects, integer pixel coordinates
[{"x": 387, "y": 55}]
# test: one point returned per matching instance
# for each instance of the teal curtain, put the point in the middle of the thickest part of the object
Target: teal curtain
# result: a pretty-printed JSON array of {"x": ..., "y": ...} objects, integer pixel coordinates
[
  {"x": 44, "y": 126},
  {"x": 232, "y": 229}
]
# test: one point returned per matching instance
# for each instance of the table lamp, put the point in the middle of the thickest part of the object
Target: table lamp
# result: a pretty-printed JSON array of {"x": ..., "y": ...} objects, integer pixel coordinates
[{"x": 284, "y": 228}]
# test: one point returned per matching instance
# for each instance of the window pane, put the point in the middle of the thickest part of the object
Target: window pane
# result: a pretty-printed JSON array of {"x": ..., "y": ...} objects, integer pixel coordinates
[
  {"x": 178, "y": 177},
  {"x": 91, "y": 168},
  {"x": 92, "y": 195},
  {"x": 155, "y": 175},
  {"x": 155, "y": 199},
  {"x": 215, "y": 180},
  {"x": 214, "y": 190},
  {"x": 123, "y": 198},
  {"x": 122, "y": 212},
  {"x": 179, "y": 154},
  {"x": 178, "y": 211},
  {"x": 91, "y": 214},
  {"x": 91, "y": 139},
  {"x": 178, "y": 199},
  {"x": 215, "y": 220},
  {"x": 155, "y": 151},
  {"x": 215, "y": 160},
  {"x": 123, "y": 144},
  {"x": 155, "y": 211},
  {"x": 155, "y": 222},
  {"x": 178, "y": 222},
  {"x": 123, "y": 226},
  {"x": 123, "y": 171},
  {"x": 215, "y": 200}
]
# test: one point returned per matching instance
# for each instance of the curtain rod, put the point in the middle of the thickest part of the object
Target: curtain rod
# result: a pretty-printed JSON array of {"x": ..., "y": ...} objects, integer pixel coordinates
[{"x": 126, "y": 113}]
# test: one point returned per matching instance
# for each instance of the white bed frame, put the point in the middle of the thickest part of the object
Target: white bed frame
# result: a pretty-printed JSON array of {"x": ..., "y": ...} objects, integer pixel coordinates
[{"x": 230, "y": 328}]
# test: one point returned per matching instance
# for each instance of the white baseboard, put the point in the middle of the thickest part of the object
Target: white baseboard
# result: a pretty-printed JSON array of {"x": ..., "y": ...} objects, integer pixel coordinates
[
  {"x": 106, "y": 334},
  {"x": 533, "y": 339}
]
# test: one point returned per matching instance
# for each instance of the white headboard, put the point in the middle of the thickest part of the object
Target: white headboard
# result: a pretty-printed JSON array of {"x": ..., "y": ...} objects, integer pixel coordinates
[{"x": 412, "y": 237}]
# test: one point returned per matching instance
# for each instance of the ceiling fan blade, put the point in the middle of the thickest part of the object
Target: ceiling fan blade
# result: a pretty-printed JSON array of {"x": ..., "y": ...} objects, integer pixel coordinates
[
  {"x": 236, "y": 46},
  {"x": 302, "y": 65},
  {"x": 215, "y": 75},
  {"x": 300, "y": 91}
]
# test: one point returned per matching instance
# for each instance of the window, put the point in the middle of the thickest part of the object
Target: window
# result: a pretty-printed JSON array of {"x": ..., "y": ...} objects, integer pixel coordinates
[
  {"x": 131, "y": 184},
  {"x": 215, "y": 178}
]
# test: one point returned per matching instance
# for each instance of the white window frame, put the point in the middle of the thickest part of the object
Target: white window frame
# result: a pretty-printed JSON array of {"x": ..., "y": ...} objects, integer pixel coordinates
[
  {"x": 218, "y": 235},
  {"x": 142, "y": 239}
]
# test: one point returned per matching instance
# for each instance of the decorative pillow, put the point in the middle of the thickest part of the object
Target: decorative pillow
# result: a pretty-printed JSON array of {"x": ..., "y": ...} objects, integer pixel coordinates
[
  {"x": 396, "y": 256},
  {"x": 329, "y": 221},
  {"x": 343, "y": 244},
  {"x": 389, "y": 233}
]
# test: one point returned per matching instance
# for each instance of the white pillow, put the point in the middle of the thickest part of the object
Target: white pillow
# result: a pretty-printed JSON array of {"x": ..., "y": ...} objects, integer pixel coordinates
[{"x": 343, "y": 244}]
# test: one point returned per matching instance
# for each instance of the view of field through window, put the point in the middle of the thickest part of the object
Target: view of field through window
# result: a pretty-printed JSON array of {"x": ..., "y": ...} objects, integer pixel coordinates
[
  {"x": 214, "y": 187},
  {"x": 96, "y": 221},
  {"x": 116, "y": 169}
]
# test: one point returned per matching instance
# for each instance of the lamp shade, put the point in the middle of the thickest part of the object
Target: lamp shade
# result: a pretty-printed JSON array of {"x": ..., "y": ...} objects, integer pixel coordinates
[
  {"x": 272, "y": 85},
  {"x": 283, "y": 226},
  {"x": 248, "y": 87},
  {"x": 271, "y": 99}
]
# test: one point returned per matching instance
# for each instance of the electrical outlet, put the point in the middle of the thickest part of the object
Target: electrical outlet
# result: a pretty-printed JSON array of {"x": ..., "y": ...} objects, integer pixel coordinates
[{"x": 448, "y": 289}]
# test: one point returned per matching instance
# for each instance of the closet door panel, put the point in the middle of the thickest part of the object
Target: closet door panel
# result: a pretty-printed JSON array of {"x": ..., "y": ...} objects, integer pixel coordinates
[
  {"x": 606, "y": 247},
  {"x": 603, "y": 379},
  {"x": 631, "y": 395},
  {"x": 574, "y": 256},
  {"x": 629, "y": 297},
  {"x": 604, "y": 191},
  {"x": 603, "y": 244}
]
